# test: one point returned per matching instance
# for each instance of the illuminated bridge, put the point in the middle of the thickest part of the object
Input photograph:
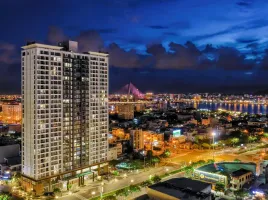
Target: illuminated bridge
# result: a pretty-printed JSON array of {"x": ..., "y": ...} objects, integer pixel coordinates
[{"x": 130, "y": 89}]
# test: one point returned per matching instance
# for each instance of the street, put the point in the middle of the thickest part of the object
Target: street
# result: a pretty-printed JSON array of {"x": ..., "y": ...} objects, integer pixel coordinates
[{"x": 184, "y": 157}]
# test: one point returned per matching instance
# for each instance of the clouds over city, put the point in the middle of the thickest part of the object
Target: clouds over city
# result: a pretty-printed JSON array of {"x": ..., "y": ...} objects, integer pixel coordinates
[
  {"x": 172, "y": 56},
  {"x": 147, "y": 37}
]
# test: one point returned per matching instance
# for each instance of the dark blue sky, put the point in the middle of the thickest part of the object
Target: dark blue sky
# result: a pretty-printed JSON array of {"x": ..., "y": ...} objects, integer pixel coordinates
[{"x": 159, "y": 45}]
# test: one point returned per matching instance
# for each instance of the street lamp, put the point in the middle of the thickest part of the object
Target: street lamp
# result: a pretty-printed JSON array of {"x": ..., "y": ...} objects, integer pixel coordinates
[
  {"x": 213, "y": 140},
  {"x": 102, "y": 184}
]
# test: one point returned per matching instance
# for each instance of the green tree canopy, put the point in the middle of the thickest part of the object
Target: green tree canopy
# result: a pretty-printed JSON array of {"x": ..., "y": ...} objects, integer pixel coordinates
[
  {"x": 166, "y": 153},
  {"x": 241, "y": 193},
  {"x": 206, "y": 145},
  {"x": 219, "y": 187},
  {"x": 155, "y": 159},
  {"x": 5, "y": 197},
  {"x": 156, "y": 179},
  {"x": 234, "y": 141}
]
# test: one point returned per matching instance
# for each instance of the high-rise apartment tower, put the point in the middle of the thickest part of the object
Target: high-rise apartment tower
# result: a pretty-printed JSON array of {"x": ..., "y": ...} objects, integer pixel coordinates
[{"x": 65, "y": 115}]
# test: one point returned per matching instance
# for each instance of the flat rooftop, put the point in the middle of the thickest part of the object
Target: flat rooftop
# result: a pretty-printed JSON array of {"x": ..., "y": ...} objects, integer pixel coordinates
[
  {"x": 240, "y": 172},
  {"x": 228, "y": 167},
  {"x": 182, "y": 187}
]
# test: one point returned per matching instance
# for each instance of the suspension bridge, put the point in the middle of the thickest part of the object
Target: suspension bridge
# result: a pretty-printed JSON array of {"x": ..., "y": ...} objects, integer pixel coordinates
[{"x": 130, "y": 90}]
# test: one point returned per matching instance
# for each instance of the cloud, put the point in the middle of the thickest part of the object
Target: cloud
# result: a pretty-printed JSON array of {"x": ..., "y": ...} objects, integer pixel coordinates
[
  {"x": 90, "y": 40},
  {"x": 264, "y": 61},
  {"x": 231, "y": 59},
  {"x": 55, "y": 35},
  {"x": 218, "y": 33},
  {"x": 247, "y": 40},
  {"x": 178, "y": 57},
  {"x": 244, "y": 3},
  {"x": 158, "y": 27},
  {"x": 121, "y": 58},
  {"x": 252, "y": 46},
  {"x": 174, "y": 26},
  {"x": 170, "y": 34},
  {"x": 10, "y": 68},
  {"x": 188, "y": 56},
  {"x": 180, "y": 25},
  {"x": 175, "y": 56},
  {"x": 8, "y": 54},
  {"x": 107, "y": 30},
  {"x": 249, "y": 25}
]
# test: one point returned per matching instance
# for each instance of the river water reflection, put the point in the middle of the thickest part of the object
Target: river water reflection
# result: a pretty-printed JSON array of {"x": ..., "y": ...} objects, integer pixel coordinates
[{"x": 249, "y": 108}]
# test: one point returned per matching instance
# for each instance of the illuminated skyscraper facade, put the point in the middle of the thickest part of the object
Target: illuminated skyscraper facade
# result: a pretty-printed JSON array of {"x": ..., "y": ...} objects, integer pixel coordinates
[{"x": 65, "y": 114}]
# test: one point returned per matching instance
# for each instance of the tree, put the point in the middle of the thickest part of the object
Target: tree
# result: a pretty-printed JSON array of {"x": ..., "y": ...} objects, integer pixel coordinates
[
  {"x": 189, "y": 171},
  {"x": 156, "y": 179},
  {"x": 201, "y": 162},
  {"x": 155, "y": 160},
  {"x": 69, "y": 186},
  {"x": 210, "y": 161},
  {"x": 234, "y": 141},
  {"x": 111, "y": 197},
  {"x": 114, "y": 162},
  {"x": 206, "y": 145},
  {"x": 57, "y": 190},
  {"x": 240, "y": 193},
  {"x": 122, "y": 192},
  {"x": 219, "y": 187},
  {"x": 195, "y": 146},
  {"x": 5, "y": 197},
  {"x": 252, "y": 139},
  {"x": 265, "y": 135},
  {"x": 134, "y": 188},
  {"x": 166, "y": 153},
  {"x": 146, "y": 183},
  {"x": 150, "y": 155},
  {"x": 237, "y": 160}
]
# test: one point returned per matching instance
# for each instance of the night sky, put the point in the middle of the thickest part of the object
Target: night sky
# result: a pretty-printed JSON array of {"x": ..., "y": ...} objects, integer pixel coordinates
[{"x": 159, "y": 45}]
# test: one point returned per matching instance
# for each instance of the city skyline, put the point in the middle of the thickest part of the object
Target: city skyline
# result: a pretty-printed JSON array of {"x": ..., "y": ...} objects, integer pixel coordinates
[
  {"x": 134, "y": 99},
  {"x": 147, "y": 41}
]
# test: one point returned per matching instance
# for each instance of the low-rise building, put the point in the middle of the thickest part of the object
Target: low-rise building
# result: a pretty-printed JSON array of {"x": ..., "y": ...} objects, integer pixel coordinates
[
  {"x": 219, "y": 172},
  {"x": 10, "y": 166},
  {"x": 112, "y": 153},
  {"x": 180, "y": 188},
  {"x": 126, "y": 111},
  {"x": 239, "y": 178},
  {"x": 205, "y": 121},
  {"x": 10, "y": 160},
  {"x": 12, "y": 112},
  {"x": 137, "y": 139}
]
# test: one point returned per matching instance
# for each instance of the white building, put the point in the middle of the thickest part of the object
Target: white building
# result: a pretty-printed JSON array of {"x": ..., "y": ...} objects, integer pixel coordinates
[{"x": 65, "y": 113}]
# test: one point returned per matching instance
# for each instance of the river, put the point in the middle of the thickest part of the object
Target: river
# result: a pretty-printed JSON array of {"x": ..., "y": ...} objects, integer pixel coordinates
[{"x": 249, "y": 108}]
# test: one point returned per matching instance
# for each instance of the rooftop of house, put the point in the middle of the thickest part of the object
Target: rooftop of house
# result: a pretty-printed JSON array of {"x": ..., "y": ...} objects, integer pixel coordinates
[{"x": 240, "y": 172}]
